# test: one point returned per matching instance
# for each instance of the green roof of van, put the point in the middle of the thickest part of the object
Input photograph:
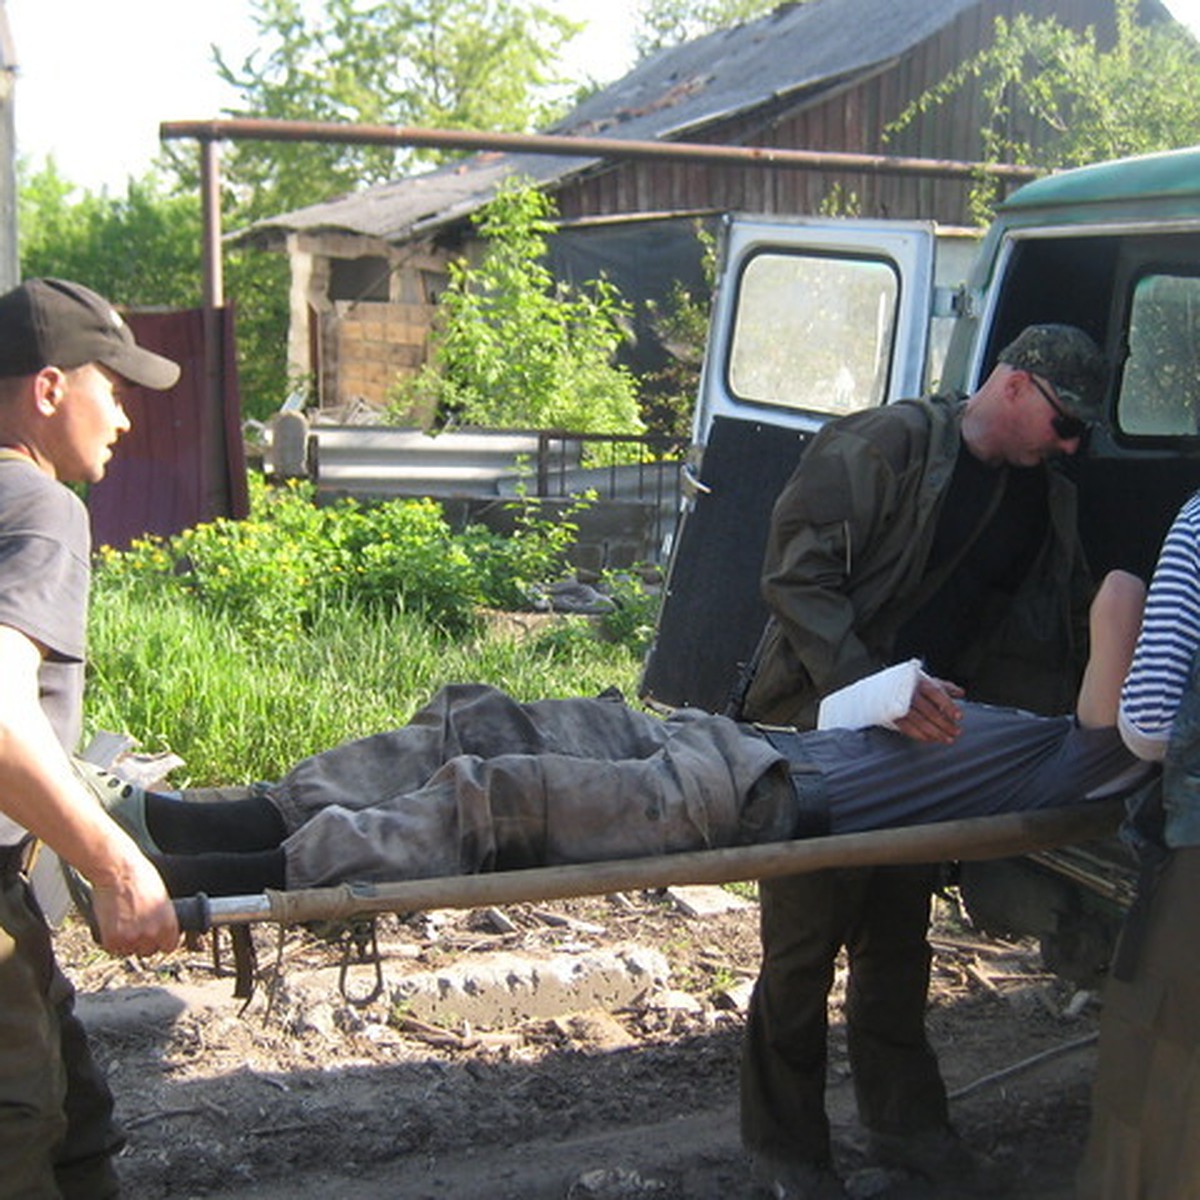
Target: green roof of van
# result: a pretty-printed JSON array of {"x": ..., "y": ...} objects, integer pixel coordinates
[{"x": 1173, "y": 173}]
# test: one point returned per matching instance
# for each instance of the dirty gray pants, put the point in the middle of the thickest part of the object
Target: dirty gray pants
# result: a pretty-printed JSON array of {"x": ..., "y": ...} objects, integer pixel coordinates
[{"x": 477, "y": 781}]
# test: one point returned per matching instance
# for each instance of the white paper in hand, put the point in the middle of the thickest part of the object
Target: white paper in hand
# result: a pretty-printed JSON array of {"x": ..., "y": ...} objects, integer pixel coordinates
[{"x": 879, "y": 699}]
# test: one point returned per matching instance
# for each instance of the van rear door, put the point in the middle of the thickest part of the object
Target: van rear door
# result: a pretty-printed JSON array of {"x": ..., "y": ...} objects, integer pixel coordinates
[{"x": 811, "y": 320}]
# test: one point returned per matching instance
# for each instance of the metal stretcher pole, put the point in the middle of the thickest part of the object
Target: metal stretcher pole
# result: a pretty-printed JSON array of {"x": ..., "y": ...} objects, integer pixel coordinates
[{"x": 966, "y": 839}]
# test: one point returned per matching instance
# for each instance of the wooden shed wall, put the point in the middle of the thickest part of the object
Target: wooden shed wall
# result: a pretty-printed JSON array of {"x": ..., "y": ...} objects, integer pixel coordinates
[{"x": 850, "y": 116}]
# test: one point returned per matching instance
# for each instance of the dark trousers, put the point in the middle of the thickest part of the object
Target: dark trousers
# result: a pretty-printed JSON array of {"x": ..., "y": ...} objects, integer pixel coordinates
[
  {"x": 881, "y": 915},
  {"x": 57, "y": 1136}
]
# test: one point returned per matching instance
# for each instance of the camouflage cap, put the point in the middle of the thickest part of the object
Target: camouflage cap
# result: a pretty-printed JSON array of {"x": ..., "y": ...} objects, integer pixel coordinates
[{"x": 1067, "y": 358}]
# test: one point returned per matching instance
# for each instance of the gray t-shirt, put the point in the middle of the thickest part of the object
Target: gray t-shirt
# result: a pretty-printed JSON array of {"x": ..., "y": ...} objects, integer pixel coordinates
[
  {"x": 45, "y": 545},
  {"x": 1004, "y": 761}
]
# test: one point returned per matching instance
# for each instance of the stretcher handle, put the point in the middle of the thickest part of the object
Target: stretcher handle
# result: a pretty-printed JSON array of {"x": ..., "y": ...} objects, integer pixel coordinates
[
  {"x": 194, "y": 913},
  {"x": 201, "y": 913}
]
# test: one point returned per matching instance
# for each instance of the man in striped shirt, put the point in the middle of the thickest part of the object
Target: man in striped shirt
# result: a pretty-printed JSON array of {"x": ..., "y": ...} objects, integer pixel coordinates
[
  {"x": 1169, "y": 640},
  {"x": 1145, "y": 1134}
]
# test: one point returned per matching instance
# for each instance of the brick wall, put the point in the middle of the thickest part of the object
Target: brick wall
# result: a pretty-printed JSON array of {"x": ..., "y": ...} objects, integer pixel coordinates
[{"x": 369, "y": 344}]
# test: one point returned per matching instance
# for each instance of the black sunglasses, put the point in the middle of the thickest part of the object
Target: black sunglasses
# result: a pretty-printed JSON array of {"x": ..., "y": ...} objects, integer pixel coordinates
[{"x": 1067, "y": 425}]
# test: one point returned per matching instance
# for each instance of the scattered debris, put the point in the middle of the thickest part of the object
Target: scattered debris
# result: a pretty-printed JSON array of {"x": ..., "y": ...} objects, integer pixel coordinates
[
  {"x": 674, "y": 1000},
  {"x": 1025, "y": 1064},
  {"x": 736, "y": 997},
  {"x": 613, "y": 1184},
  {"x": 498, "y": 921},
  {"x": 560, "y": 922},
  {"x": 313, "y": 1097},
  {"x": 703, "y": 900},
  {"x": 505, "y": 988},
  {"x": 597, "y": 1029}
]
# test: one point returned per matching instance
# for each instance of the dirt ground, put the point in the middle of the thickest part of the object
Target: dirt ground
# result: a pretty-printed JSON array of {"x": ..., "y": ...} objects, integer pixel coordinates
[{"x": 307, "y": 1094}]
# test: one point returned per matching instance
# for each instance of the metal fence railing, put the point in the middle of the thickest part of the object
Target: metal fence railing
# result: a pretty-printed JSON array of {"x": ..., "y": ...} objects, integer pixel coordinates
[
  {"x": 635, "y": 479},
  {"x": 628, "y": 469}
]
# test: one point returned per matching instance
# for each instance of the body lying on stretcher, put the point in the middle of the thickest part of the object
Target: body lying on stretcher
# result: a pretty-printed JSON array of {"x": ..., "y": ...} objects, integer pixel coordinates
[{"x": 479, "y": 782}]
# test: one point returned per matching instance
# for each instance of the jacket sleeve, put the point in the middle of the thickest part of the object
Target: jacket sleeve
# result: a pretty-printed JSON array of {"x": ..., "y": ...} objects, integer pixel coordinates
[{"x": 843, "y": 494}]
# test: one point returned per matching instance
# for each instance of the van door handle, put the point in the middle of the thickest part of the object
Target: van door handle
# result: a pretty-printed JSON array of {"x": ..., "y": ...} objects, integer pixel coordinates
[{"x": 692, "y": 484}]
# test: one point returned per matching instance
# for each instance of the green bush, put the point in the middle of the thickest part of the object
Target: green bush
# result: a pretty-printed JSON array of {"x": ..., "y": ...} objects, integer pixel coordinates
[
  {"x": 244, "y": 645},
  {"x": 269, "y": 574},
  {"x": 510, "y": 567},
  {"x": 513, "y": 349},
  {"x": 631, "y": 623}
]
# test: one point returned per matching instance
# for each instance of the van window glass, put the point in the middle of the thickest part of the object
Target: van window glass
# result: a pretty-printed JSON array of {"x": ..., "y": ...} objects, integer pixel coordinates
[
  {"x": 814, "y": 332},
  {"x": 1160, "y": 386}
]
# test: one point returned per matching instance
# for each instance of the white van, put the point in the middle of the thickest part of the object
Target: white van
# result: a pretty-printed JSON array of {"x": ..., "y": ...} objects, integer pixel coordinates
[{"x": 813, "y": 319}]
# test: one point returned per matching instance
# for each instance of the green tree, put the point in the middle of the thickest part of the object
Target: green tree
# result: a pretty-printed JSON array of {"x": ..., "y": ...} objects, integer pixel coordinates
[
  {"x": 456, "y": 64},
  {"x": 513, "y": 349},
  {"x": 1057, "y": 99},
  {"x": 663, "y": 23},
  {"x": 142, "y": 247},
  {"x": 441, "y": 63}
]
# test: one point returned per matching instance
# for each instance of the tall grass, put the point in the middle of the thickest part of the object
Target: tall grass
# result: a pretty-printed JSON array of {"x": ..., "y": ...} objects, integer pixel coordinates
[
  {"x": 245, "y": 645},
  {"x": 179, "y": 676}
]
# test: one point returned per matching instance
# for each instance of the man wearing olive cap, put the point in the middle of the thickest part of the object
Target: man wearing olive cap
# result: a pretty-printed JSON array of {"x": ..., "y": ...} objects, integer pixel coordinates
[
  {"x": 932, "y": 529},
  {"x": 65, "y": 356}
]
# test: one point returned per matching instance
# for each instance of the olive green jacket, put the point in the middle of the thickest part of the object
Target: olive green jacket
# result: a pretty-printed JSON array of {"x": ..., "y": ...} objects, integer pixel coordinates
[{"x": 845, "y": 568}]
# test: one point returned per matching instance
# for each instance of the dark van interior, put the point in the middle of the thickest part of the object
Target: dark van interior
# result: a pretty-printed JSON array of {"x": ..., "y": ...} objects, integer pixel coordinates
[{"x": 1139, "y": 297}]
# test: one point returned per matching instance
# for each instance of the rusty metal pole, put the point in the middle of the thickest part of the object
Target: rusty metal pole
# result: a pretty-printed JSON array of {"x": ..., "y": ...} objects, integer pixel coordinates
[
  {"x": 268, "y": 130},
  {"x": 213, "y": 308},
  {"x": 209, "y": 133},
  {"x": 212, "y": 272}
]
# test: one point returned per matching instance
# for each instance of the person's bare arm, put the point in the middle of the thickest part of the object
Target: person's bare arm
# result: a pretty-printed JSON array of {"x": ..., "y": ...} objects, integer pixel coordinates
[
  {"x": 39, "y": 790},
  {"x": 1115, "y": 619}
]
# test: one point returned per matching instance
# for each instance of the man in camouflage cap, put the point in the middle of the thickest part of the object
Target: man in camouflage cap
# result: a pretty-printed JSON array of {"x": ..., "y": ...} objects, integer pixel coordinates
[
  {"x": 1069, "y": 361},
  {"x": 929, "y": 529}
]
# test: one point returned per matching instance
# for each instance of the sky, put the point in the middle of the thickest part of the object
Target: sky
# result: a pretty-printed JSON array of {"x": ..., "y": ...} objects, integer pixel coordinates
[{"x": 97, "y": 77}]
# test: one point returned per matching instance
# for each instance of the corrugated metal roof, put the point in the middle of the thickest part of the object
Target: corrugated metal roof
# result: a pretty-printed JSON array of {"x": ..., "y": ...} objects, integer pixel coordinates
[
  {"x": 791, "y": 49},
  {"x": 672, "y": 94}
]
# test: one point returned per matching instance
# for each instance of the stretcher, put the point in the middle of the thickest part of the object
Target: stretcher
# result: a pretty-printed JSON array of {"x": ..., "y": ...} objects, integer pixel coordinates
[{"x": 962, "y": 840}]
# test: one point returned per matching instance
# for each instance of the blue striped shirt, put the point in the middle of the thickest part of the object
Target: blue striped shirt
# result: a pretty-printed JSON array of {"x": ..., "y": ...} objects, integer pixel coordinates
[{"x": 1169, "y": 639}]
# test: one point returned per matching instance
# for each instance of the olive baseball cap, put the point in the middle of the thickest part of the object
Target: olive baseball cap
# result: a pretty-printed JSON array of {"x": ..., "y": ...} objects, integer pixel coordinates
[
  {"x": 1067, "y": 358},
  {"x": 55, "y": 323}
]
